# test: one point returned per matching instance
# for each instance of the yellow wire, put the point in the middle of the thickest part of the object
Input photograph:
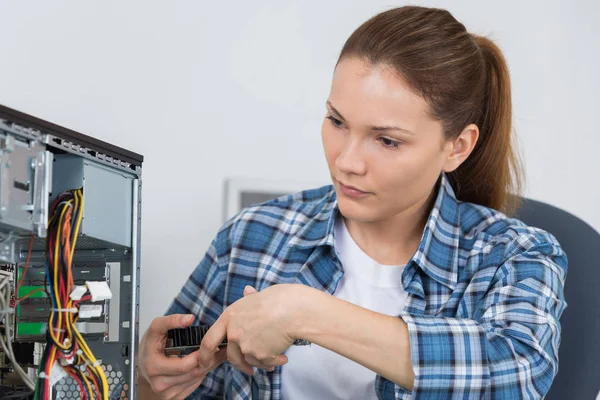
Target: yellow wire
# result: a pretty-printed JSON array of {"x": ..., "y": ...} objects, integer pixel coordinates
[
  {"x": 76, "y": 209},
  {"x": 79, "y": 218},
  {"x": 79, "y": 204},
  {"x": 78, "y": 195},
  {"x": 88, "y": 384},
  {"x": 86, "y": 350},
  {"x": 55, "y": 288},
  {"x": 70, "y": 321}
]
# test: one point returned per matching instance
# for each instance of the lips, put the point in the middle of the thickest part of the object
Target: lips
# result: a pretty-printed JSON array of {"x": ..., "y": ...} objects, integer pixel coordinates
[
  {"x": 353, "y": 188},
  {"x": 352, "y": 191}
]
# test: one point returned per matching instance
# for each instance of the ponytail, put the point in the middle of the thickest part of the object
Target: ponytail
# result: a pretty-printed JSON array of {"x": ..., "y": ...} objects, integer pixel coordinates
[{"x": 492, "y": 175}]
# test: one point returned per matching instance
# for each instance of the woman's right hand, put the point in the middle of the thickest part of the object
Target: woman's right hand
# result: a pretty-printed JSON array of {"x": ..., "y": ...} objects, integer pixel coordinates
[{"x": 172, "y": 378}]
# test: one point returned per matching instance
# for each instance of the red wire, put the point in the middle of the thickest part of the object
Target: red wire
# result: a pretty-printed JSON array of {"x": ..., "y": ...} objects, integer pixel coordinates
[
  {"x": 57, "y": 202},
  {"x": 47, "y": 380},
  {"x": 75, "y": 377},
  {"x": 63, "y": 289},
  {"x": 93, "y": 377},
  {"x": 26, "y": 264},
  {"x": 61, "y": 292},
  {"x": 84, "y": 298}
]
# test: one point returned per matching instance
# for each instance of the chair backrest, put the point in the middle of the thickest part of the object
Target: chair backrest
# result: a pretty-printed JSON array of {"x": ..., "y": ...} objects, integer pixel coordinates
[{"x": 579, "y": 354}]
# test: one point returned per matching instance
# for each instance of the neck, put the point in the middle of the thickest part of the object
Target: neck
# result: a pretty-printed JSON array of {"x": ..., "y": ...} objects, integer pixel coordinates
[{"x": 393, "y": 241}]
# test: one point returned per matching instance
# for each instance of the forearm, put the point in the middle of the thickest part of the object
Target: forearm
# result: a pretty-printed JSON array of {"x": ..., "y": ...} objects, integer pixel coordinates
[{"x": 376, "y": 341}]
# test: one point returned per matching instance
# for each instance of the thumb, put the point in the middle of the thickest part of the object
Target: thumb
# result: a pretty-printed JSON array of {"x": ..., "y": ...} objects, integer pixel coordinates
[
  {"x": 249, "y": 290},
  {"x": 161, "y": 325}
]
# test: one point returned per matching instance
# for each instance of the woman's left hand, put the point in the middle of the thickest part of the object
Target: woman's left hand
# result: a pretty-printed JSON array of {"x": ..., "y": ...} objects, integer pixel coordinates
[{"x": 257, "y": 327}]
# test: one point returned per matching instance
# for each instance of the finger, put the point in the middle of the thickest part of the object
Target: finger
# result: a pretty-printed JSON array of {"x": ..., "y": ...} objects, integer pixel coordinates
[
  {"x": 249, "y": 290},
  {"x": 174, "y": 386},
  {"x": 219, "y": 358},
  {"x": 279, "y": 360},
  {"x": 161, "y": 325},
  {"x": 273, "y": 362},
  {"x": 236, "y": 358},
  {"x": 258, "y": 364},
  {"x": 171, "y": 366},
  {"x": 211, "y": 340}
]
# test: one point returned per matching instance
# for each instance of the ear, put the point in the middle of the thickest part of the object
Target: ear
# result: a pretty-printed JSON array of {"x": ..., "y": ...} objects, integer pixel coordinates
[{"x": 461, "y": 147}]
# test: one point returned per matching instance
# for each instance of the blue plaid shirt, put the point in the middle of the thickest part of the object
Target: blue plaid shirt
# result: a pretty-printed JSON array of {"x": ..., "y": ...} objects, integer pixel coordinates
[{"x": 485, "y": 294}]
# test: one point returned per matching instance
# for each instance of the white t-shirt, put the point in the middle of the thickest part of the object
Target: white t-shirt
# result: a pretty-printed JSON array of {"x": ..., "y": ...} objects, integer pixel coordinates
[{"x": 314, "y": 372}]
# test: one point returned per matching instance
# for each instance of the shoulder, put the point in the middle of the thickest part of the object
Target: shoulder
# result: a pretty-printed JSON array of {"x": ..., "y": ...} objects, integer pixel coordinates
[
  {"x": 275, "y": 220},
  {"x": 503, "y": 237}
]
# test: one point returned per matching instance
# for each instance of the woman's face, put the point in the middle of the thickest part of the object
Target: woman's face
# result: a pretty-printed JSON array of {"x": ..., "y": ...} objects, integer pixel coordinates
[{"x": 380, "y": 140}]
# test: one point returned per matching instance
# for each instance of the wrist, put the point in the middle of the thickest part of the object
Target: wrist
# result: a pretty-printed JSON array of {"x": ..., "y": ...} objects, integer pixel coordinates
[{"x": 308, "y": 302}]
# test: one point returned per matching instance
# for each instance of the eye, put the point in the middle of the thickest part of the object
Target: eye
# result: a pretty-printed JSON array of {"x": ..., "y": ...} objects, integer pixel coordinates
[
  {"x": 390, "y": 143},
  {"x": 335, "y": 122}
]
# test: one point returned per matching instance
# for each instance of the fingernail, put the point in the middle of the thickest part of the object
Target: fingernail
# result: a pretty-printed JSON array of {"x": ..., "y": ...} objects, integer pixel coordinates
[
  {"x": 248, "y": 287},
  {"x": 187, "y": 319}
]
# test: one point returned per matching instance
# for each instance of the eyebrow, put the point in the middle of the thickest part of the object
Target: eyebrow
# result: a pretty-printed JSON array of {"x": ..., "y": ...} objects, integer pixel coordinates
[{"x": 372, "y": 127}]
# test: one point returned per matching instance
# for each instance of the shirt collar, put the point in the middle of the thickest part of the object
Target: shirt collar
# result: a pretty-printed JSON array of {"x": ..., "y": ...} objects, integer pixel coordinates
[{"x": 437, "y": 254}]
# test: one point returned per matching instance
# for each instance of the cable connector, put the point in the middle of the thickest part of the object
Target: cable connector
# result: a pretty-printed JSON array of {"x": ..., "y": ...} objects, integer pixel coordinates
[
  {"x": 78, "y": 293},
  {"x": 90, "y": 310},
  {"x": 56, "y": 373},
  {"x": 99, "y": 290},
  {"x": 67, "y": 361}
]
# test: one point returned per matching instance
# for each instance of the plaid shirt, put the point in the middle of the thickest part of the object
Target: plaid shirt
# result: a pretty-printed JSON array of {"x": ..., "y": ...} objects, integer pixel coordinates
[{"x": 485, "y": 295}]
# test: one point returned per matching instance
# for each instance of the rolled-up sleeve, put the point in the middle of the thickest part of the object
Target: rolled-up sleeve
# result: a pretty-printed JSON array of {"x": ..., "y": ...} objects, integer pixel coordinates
[{"x": 508, "y": 348}]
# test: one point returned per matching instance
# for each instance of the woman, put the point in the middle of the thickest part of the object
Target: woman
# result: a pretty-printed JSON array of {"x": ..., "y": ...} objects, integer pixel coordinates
[{"x": 406, "y": 275}]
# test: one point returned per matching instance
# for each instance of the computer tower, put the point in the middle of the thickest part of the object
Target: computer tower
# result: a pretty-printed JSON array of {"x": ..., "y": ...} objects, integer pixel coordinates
[{"x": 45, "y": 168}]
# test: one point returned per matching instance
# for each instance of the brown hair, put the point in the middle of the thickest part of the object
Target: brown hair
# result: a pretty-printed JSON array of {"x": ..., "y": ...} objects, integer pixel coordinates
[{"x": 464, "y": 79}]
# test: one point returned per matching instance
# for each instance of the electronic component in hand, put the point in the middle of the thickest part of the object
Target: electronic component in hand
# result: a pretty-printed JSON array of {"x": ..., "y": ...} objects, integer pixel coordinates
[{"x": 184, "y": 341}]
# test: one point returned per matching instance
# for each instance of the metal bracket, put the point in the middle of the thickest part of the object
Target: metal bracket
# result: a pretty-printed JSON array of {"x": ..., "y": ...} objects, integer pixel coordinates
[{"x": 7, "y": 248}]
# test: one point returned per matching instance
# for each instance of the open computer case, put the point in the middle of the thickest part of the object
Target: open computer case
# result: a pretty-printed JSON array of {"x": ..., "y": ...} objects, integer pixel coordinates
[{"x": 69, "y": 262}]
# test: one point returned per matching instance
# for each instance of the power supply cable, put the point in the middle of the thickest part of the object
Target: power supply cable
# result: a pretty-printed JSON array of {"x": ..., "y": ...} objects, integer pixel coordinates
[{"x": 65, "y": 343}]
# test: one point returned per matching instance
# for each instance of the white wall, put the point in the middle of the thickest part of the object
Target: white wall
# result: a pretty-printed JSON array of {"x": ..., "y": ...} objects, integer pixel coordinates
[{"x": 207, "y": 90}]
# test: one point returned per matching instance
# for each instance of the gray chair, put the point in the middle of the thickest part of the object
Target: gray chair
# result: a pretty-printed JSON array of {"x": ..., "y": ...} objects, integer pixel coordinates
[{"x": 579, "y": 355}]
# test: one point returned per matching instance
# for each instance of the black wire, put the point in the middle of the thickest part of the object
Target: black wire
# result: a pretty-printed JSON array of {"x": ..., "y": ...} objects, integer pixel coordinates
[
  {"x": 80, "y": 360},
  {"x": 52, "y": 234},
  {"x": 43, "y": 361},
  {"x": 80, "y": 376}
]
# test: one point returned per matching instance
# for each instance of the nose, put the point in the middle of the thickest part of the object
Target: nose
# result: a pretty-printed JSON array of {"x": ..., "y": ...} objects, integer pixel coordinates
[{"x": 350, "y": 161}]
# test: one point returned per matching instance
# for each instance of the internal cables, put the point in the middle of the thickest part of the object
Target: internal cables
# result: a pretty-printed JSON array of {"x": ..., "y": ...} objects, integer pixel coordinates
[
  {"x": 6, "y": 346},
  {"x": 66, "y": 348}
]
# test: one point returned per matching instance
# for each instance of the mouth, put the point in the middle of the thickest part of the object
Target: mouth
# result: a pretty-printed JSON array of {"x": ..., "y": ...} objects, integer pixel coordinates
[{"x": 351, "y": 191}]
